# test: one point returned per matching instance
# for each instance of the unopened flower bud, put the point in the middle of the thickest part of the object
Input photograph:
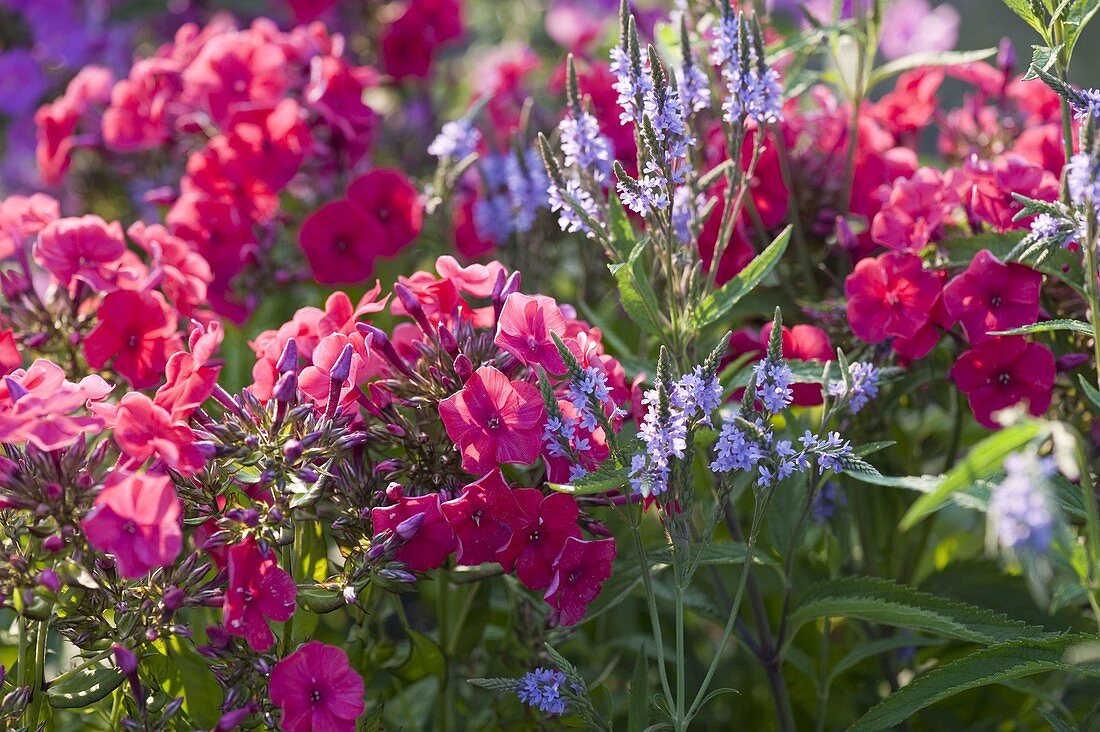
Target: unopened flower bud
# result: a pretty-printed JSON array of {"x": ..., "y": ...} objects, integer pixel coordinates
[
  {"x": 53, "y": 543},
  {"x": 397, "y": 575},
  {"x": 408, "y": 528},
  {"x": 174, "y": 598},
  {"x": 15, "y": 389},
  {"x": 48, "y": 578},
  {"x": 286, "y": 388},
  {"x": 288, "y": 360},
  {"x": 1006, "y": 57},
  {"x": 464, "y": 367},
  {"x": 396, "y": 430},
  {"x": 308, "y": 475},
  {"x": 125, "y": 659},
  {"x": 341, "y": 370},
  {"x": 447, "y": 340}
]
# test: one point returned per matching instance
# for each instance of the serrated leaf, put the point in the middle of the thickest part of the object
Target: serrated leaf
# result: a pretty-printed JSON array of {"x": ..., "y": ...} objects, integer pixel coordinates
[
  {"x": 1074, "y": 326},
  {"x": 719, "y": 302},
  {"x": 1005, "y": 662},
  {"x": 601, "y": 480},
  {"x": 883, "y": 601},
  {"x": 983, "y": 459},
  {"x": 878, "y": 647},
  {"x": 80, "y": 688},
  {"x": 635, "y": 292},
  {"x": 925, "y": 59},
  {"x": 1023, "y": 8}
]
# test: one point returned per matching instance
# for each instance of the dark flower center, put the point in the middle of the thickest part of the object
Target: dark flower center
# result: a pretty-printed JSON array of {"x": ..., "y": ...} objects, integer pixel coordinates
[
  {"x": 1004, "y": 378},
  {"x": 383, "y": 213},
  {"x": 995, "y": 301},
  {"x": 476, "y": 517},
  {"x": 575, "y": 575},
  {"x": 341, "y": 245},
  {"x": 892, "y": 299},
  {"x": 130, "y": 527},
  {"x": 534, "y": 536},
  {"x": 131, "y": 341},
  {"x": 315, "y": 696},
  {"x": 494, "y": 422}
]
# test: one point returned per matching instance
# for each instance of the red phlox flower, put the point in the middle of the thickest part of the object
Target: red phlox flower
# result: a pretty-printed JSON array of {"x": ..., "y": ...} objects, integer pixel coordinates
[
  {"x": 22, "y": 217},
  {"x": 476, "y": 280},
  {"x": 235, "y": 70},
  {"x": 916, "y": 210},
  {"x": 433, "y": 541},
  {"x": 1002, "y": 371},
  {"x": 57, "y": 121},
  {"x": 482, "y": 517},
  {"x": 410, "y": 41},
  {"x": 341, "y": 240},
  {"x": 84, "y": 248},
  {"x": 316, "y": 690},
  {"x": 494, "y": 420},
  {"x": 524, "y": 330},
  {"x": 140, "y": 114},
  {"x": 538, "y": 537},
  {"x": 991, "y": 295},
  {"x": 182, "y": 273},
  {"x": 911, "y": 105},
  {"x": 137, "y": 332},
  {"x": 389, "y": 197},
  {"x": 271, "y": 142},
  {"x": 259, "y": 590},
  {"x": 889, "y": 295},
  {"x": 189, "y": 377},
  {"x": 468, "y": 240},
  {"x": 40, "y": 408},
  {"x": 144, "y": 430},
  {"x": 136, "y": 519},
  {"x": 579, "y": 572},
  {"x": 10, "y": 358},
  {"x": 988, "y": 188},
  {"x": 336, "y": 90},
  {"x": 921, "y": 343},
  {"x": 315, "y": 380}
]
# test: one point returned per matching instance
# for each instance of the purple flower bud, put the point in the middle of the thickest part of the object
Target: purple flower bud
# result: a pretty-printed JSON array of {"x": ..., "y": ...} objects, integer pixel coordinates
[
  {"x": 845, "y": 237},
  {"x": 598, "y": 529},
  {"x": 498, "y": 285},
  {"x": 348, "y": 442},
  {"x": 174, "y": 598},
  {"x": 288, "y": 361},
  {"x": 341, "y": 370},
  {"x": 231, "y": 720},
  {"x": 35, "y": 340},
  {"x": 15, "y": 389},
  {"x": 250, "y": 517},
  {"x": 1006, "y": 57},
  {"x": 397, "y": 575},
  {"x": 447, "y": 340},
  {"x": 48, "y": 578},
  {"x": 53, "y": 544},
  {"x": 275, "y": 514},
  {"x": 308, "y": 475},
  {"x": 151, "y": 635},
  {"x": 292, "y": 450},
  {"x": 408, "y": 528},
  {"x": 1070, "y": 361},
  {"x": 464, "y": 367},
  {"x": 376, "y": 551},
  {"x": 512, "y": 285},
  {"x": 125, "y": 659},
  {"x": 54, "y": 491},
  {"x": 380, "y": 341},
  {"x": 13, "y": 284},
  {"x": 388, "y": 466},
  {"x": 286, "y": 388},
  {"x": 396, "y": 430}
]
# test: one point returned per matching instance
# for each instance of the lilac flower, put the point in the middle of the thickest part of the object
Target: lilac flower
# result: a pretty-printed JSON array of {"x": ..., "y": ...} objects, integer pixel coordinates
[
  {"x": 694, "y": 88},
  {"x": 773, "y": 384},
  {"x": 590, "y": 388},
  {"x": 631, "y": 83},
  {"x": 568, "y": 218},
  {"x": 697, "y": 393},
  {"x": 1020, "y": 513},
  {"x": 541, "y": 689},
  {"x": 559, "y": 434},
  {"x": 752, "y": 89},
  {"x": 734, "y": 450},
  {"x": 642, "y": 195},
  {"x": 585, "y": 147},
  {"x": 515, "y": 191},
  {"x": 1083, "y": 179},
  {"x": 1086, "y": 105},
  {"x": 864, "y": 385},
  {"x": 827, "y": 501},
  {"x": 1045, "y": 226},
  {"x": 457, "y": 140}
]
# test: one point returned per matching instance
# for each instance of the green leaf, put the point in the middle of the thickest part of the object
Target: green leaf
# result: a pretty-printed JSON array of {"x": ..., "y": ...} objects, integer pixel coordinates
[
  {"x": 718, "y": 303},
  {"x": 603, "y": 479},
  {"x": 1023, "y": 8},
  {"x": 925, "y": 59},
  {"x": 622, "y": 233},
  {"x": 882, "y": 601},
  {"x": 635, "y": 291},
  {"x": 878, "y": 647},
  {"x": 80, "y": 688},
  {"x": 1091, "y": 392},
  {"x": 1005, "y": 662},
  {"x": 1075, "y": 326},
  {"x": 186, "y": 674},
  {"x": 319, "y": 600},
  {"x": 983, "y": 459},
  {"x": 425, "y": 659},
  {"x": 638, "y": 712}
]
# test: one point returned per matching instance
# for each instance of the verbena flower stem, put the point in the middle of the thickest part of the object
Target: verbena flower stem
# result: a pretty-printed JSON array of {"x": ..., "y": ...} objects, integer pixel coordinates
[
  {"x": 759, "y": 510},
  {"x": 651, "y": 603},
  {"x": 1062, "y": 70},
  {"x": 1092, "y": 289}
]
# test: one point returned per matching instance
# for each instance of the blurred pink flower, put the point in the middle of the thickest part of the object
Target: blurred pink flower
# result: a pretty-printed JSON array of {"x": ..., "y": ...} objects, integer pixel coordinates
[{"x": 914, "y": 26}]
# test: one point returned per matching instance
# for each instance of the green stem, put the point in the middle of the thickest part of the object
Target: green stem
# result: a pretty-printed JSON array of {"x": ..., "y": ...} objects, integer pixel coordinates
[
  {"x": 39, "y": 686},
  {"x": 443, "y": 703},
  {"x": 681, "y": 681},
  {"x": 1091, "y": 288},
  {"x": 1062, "y": 70},
  {"x": 757, "y": 518},
  {"x": 651, "y": 604},
  {"x": 823, "y": 684}
]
